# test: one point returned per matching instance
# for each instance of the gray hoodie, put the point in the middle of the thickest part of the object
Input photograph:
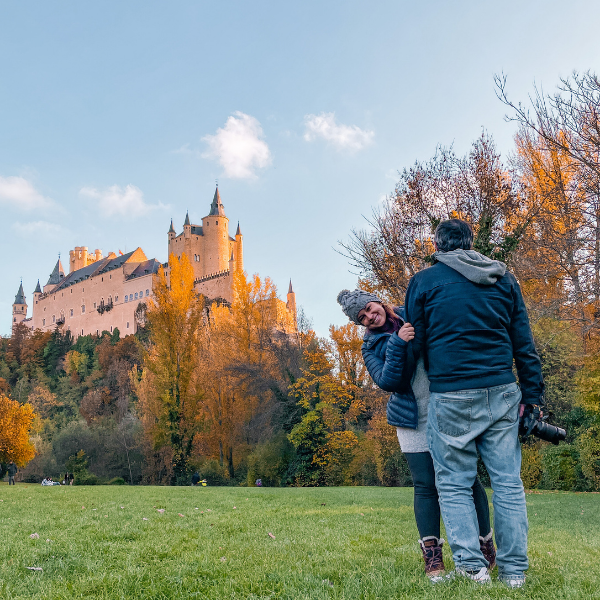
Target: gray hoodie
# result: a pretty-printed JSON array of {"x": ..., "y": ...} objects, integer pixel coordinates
[{"x": 474, "y": 266}]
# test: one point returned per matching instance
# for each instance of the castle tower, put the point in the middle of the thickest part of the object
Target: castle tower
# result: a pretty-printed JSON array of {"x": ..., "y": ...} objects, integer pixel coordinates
[
  {"x": 187, "y": 226},
  {"x": 19, "y": 307},
  {"x": 239, "y": 252},
  {"x": 171, "y": 232},
  {"x": 291, "y": 303},
  {"x": 58, "y": 273},
  {"x": 215, "y": 229}
]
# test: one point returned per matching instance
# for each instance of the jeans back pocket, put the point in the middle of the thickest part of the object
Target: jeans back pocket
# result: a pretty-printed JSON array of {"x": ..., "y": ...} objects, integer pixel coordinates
[{"x": 453, "y": 413}]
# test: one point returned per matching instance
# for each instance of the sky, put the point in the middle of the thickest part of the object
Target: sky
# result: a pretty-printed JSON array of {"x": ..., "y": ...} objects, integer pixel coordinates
[{"x": 117, "y": 116}]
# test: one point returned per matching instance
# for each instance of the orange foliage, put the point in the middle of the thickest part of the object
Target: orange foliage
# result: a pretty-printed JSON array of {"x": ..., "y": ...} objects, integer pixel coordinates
[{"x": 15, "y": 424}]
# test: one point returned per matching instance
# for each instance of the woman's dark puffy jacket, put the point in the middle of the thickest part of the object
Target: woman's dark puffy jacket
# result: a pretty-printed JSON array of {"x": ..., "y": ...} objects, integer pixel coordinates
[{"x": 385, "y": 355}]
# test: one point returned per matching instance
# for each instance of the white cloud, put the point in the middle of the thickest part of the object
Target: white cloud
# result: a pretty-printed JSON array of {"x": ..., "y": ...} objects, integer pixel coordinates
[
  {"x": 342, "y": 137},
  {"x": 239, "y": 147},
  {"x": 21, "y": 194},
  {"x": 115, "y": 200},
  {"x": 36, "y": 229}
]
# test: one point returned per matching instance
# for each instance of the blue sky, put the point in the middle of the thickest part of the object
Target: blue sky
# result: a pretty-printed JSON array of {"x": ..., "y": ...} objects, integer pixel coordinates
[{"x": 117, "y": 116}]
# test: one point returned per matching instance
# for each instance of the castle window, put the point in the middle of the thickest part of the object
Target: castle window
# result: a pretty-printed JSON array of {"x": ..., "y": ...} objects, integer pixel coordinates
[
  {"x": 53, "y": 318},
  {"x": 82, "y": 332},
  {"x": 141, "y": 294},
  {"x": 71, "y": 312},
  {"x": 94, "y": 305},
  {"x": 126, "y": 298},
  {"x": 97, "y": 332},
  {"x": 136, "y": 296},
  {"x": 130, "y": 297},
  {"x": 216, "y": 222},
  {"x": 82, "y": 308},
  {"x": 127, "y": 324},
  {"x": 147, "y": 292},
  {"x": 43, "y": 321},
  {"x": 110, "y": 276},
  {"x": 116, "y": 298},
  {"x": 102, "y": 279}
]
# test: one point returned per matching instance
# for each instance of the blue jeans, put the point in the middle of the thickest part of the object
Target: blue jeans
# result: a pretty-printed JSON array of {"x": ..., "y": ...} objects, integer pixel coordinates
[{"x": 459, "y": 424}]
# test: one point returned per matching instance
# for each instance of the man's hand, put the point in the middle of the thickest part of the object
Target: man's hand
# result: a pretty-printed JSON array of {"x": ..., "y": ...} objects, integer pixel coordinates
[{"x": 406, "y": 332}]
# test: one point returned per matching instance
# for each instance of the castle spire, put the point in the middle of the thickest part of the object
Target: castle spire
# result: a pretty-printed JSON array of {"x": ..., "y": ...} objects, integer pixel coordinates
[
  {"x": 291, "y": 289},
  {"x": 217, "y": 208},
  {"x": 57, "y": 274},
  {"x": 187, "y": 219},
  {"x": 239, "y": 231},
  {"x": 171, "y": 229},
  {"x": 20, "y": 297},
  {"x": 38, "y": 289}
]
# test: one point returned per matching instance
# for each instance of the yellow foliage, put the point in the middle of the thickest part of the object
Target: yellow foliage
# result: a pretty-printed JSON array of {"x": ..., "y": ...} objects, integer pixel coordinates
[{"x": 15, "y": 424}]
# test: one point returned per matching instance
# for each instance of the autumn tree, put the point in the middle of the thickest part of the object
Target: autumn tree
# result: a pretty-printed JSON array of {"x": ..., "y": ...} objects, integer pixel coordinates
[
  {"x": 16, "y": 421},
  {"x": 240, "y": 369},
  {"x": 565, "y": 127},
  {"x": 477, "y": 187},
  {"x": 332, "y": 391},
  {"x": 169, "y": 404}
]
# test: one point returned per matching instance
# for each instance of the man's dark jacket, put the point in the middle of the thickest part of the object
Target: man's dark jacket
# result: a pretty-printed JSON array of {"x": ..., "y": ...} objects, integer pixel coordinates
[
  {"x": 469, "y": 333},
  {"x": 385, "y": 358}
]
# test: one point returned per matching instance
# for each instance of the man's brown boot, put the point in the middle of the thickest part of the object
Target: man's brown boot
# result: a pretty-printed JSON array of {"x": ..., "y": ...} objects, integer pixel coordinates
[{"x": 432, "y": 555}]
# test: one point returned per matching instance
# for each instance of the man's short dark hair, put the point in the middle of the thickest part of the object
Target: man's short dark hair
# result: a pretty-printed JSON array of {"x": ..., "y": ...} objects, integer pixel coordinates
[{"x": 453, "y": 234}]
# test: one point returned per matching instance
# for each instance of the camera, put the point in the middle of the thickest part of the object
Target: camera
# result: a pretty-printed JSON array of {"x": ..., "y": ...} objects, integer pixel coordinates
[{"x": 533, "y": 423}]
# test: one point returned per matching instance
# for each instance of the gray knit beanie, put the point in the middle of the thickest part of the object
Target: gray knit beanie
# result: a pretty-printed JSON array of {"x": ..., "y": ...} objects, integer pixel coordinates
[{"x": 353, "y": 302}]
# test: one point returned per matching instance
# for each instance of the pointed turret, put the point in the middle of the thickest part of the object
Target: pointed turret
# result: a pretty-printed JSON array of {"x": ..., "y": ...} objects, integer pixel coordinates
[
  {"x": 239, "y": 231},
  {"x": 291, "y": 304},
  {"x": 38, "y": 289},
  {"x": 57, "y": 274},
  {"x": 19, "y": 308},
  {"x": 171, "y": 229},
  {"x": 187, "y": 220},
  {"x": 216, "y": 208},
  {"x": 20, "y": 297}
]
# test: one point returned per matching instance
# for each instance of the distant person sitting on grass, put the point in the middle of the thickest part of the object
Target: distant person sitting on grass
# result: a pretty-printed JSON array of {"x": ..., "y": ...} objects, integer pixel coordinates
[
  {"x": 12, "y": 471},
  {"x": 384, "y": 352},
  {"x": 195, "y": 479}
]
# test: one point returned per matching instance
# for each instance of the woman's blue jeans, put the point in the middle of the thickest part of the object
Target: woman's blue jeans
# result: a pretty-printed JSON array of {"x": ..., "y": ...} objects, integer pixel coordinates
[{"x": 460, "y": 424}]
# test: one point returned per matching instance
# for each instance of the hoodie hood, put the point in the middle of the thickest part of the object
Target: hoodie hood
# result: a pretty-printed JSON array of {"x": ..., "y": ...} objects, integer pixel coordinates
[{"x": 474, "y": 266}]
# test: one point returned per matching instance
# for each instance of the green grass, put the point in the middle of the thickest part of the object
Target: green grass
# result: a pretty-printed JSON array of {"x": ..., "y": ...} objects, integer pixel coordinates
[{"x": 330, "y": 543}]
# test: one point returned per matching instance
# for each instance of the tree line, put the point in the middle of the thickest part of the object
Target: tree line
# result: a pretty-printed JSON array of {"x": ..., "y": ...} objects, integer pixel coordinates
[{"x": 231, "y": 392}]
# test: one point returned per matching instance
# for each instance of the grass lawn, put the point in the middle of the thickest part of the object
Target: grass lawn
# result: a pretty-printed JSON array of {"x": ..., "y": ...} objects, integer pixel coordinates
[{"x": 360, "y": 543}]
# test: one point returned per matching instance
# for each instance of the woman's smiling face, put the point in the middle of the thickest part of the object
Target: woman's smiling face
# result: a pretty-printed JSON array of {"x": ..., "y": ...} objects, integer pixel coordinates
[{"x": 372, "y": 316}]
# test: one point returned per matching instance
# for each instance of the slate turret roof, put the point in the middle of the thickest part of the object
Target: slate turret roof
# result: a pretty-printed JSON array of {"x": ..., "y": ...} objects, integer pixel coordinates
[
  {"x": 38, "y": 289},
  {"x": 217, "y": 208},
  {"x": 57, "y": 274},
  {"x": 20, "y": 297},
  {"x": 171, "y": 229}
]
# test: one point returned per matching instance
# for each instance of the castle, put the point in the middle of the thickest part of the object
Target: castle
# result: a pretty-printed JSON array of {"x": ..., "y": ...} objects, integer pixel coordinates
[{"x": 104, "y": 293}]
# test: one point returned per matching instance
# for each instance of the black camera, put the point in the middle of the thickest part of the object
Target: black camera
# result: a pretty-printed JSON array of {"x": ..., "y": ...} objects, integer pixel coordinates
[{"x": 533, "y": 423}]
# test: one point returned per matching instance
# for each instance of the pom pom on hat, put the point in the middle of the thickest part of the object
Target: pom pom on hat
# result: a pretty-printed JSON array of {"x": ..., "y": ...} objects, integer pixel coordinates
[{"x": 353, "y": 302}]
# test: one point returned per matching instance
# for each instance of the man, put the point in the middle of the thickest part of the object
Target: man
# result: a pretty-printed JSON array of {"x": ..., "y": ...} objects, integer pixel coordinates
[
  {"x": 12, "y": 471},
  {"x": 470, "y": 323}
]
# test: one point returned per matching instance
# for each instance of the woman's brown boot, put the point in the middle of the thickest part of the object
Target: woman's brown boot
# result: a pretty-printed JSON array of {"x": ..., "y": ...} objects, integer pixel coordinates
[
  {"x": 488, "y": 550},
  {"x": 432, "y": 555}
]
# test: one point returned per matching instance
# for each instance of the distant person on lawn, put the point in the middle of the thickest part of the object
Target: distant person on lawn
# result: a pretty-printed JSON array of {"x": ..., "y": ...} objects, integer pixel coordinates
[
  {"x": 384, "y": 351},
  {"x": 12, "y": 471},
  {"x": 470, "y": 323}
]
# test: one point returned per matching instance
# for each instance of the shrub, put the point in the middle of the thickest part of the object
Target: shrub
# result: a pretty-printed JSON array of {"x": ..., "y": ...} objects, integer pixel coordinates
[
  {"x": 214, "y": 473},
  {"x": 588, "y": 445},
  {"x": 85, "y": 478},
  {"x": 117, "y": 481},
  {"x": 531, "y": 466},
  {"x": 559, "y": 465},
  {"x": 270, "y": 461}
]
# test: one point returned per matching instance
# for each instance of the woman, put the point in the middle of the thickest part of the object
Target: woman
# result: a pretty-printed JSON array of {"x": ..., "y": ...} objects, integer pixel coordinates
[{"x": 384, "y": 353}]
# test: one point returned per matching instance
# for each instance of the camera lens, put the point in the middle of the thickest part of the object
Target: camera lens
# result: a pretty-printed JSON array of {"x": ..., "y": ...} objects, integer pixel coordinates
[{"x": 549, "y": 433}]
